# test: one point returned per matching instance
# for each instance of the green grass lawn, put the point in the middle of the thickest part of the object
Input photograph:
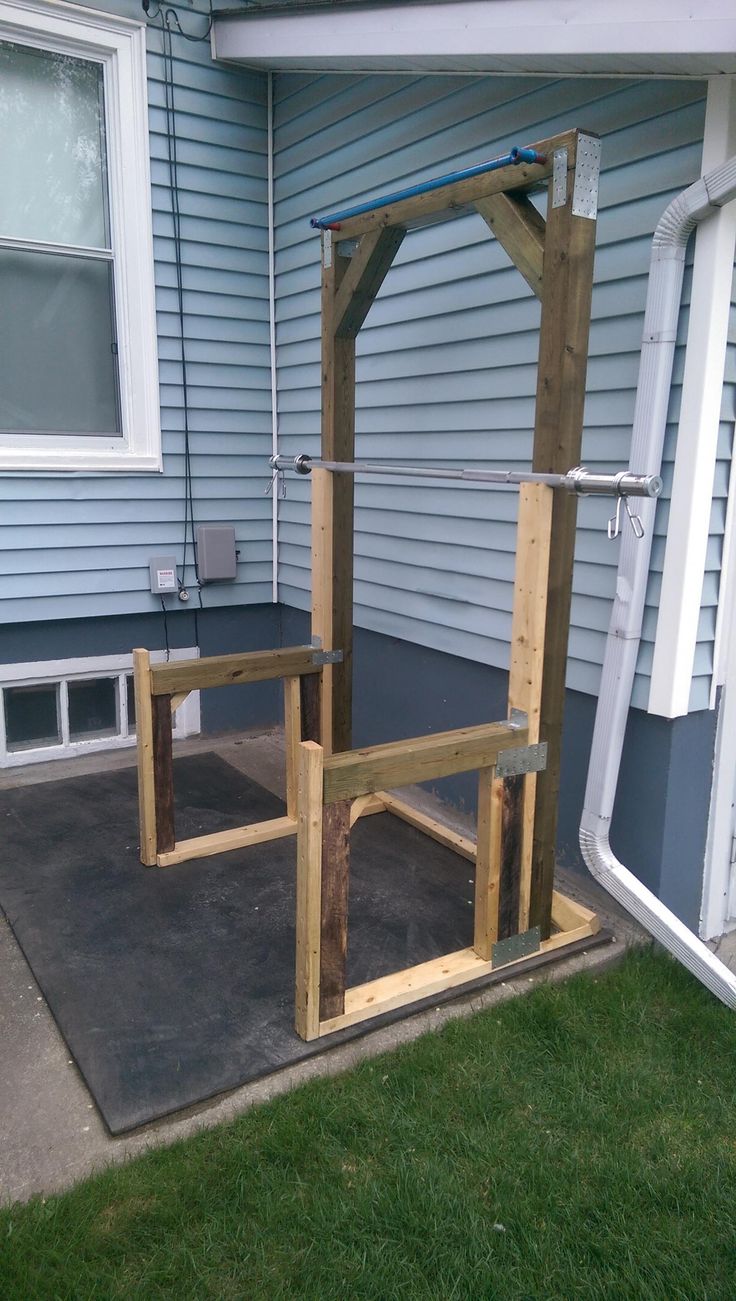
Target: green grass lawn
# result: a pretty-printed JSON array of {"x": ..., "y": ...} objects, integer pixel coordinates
[{"x": 578, "y": 1142}]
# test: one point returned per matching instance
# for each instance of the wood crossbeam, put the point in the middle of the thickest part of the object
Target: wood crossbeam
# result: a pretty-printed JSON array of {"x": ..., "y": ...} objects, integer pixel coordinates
[
  {"x": 520, "y": 229},
  {"x": 363, "y": 278}
]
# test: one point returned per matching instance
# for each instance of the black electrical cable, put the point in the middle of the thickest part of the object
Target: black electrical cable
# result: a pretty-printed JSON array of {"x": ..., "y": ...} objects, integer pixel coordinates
[{"x": 166, "y": 628}]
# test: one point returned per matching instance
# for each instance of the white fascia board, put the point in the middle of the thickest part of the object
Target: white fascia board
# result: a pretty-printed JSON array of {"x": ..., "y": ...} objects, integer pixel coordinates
[
  {"x": 697, "y": 435},
  {"x": 649, "y": 36}
]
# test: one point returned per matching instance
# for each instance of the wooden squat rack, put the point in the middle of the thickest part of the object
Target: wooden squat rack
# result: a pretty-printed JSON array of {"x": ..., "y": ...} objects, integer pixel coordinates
[
  {"x": 517, "y": 809},
  {"x": 329, "y": 785}
]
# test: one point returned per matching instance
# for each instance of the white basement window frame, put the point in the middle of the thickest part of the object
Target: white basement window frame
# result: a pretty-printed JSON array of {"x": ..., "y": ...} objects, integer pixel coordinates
[
  {"x": 119, "y": 46},
  {"x": 60, "y": 673}
]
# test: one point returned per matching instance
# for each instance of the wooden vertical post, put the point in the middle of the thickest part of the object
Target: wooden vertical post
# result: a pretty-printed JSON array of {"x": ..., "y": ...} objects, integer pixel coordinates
[
  {"x": 334, "y": 578},
  {"x": 518, "y": 794},
  {"x": 292, "y": 739},
  {"x": 144, "y": 746},
  {"x": 309, "y": 889},
  {"x": 322, "y": 588},
  {"x": 310, "y": 696},
  {"x": 487, "y": 863},
  {"x": 563, "y": 352},
  {"x": 335, "y": 883},
  {"x": 163, "y": 773}
]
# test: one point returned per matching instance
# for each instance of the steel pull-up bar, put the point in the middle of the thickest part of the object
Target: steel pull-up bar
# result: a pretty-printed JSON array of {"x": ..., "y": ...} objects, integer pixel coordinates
[
  {"x": 512, "y": 158},
  {"x": 579, "y": 480}
]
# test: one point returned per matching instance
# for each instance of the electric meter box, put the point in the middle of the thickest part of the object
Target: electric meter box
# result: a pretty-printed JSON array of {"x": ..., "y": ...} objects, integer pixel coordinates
[
  {"x": 216, "y": 554},
  {"x": 164, "y": 580}
]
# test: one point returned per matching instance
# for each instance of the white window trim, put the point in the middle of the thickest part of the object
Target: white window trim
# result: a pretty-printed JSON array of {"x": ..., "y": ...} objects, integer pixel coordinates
[
  {"x": 120, "y": 46},
  {"x": 186, "y": 718}
]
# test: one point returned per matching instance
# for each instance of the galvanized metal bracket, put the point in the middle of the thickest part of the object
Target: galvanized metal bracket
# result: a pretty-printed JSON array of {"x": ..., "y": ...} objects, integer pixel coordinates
[
  {"x": 587, "y": 173},
  {"x": 326, "y": 248},
  {"x": 524, "y": 759},
  {"x": 327, "y": 657},
  {"x": 515, "y": 947},
  {"x": 348, "y": 247},
  {"x": 518, "y": 718},
  {"x": 559, "y": 178}
]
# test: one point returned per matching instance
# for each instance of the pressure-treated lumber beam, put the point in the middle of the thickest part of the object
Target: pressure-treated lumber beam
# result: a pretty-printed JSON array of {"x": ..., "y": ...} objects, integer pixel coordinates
[
  {"x": 520, "y": 229},
  {"x": 308, "y": 890},
  {"x": 402, "y": 763},
  {"x": 428, "y": 979},
  {"x": 292, "y": 740},
  {"x": 144, "y": 743},
  {"x": 563, "y": 350},
  {"x": 517, "y": 794},
  {"x": 363, "y": 279},
  {"x": 448, "y": 200},
  {"x": 432, "y": 827},
  {"x": 488, "y": 863},
  {"x": 163, "y": 773},
  {"x": 333, "y": 576},
  {"x": 179, "y": 676},
  {"x": 220, "y": 842},
  {"x": 335, "y": 882}
]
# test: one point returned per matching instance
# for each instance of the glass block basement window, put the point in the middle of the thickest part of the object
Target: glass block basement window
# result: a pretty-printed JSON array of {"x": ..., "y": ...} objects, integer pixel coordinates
[{"x": 74, "y": 709}]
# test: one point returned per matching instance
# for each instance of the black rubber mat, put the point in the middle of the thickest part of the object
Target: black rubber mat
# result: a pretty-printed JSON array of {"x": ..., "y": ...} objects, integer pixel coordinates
[{"x": 171, "y": 985}]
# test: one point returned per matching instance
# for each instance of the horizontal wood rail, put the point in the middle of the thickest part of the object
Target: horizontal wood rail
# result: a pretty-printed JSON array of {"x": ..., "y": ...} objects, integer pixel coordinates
[
  {"x": 174, "y": 679},
  {"x": 402, "y": 763}
]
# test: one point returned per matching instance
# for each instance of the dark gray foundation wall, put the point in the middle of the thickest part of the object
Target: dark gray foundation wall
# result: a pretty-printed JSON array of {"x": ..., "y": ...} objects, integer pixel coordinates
[
  {"x": 400, "y": 689},
  {"x": 216, "y": 631}
]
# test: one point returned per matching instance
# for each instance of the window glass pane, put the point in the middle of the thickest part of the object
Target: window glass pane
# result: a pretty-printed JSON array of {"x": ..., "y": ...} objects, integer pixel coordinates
[
  {"x": 130, "y": 688},
  {"x": 58, "y": 370},
  {"x": 52, "y": 148},
  {"x": 93, "y": 708},
  {"x": 32, "y": 716}
]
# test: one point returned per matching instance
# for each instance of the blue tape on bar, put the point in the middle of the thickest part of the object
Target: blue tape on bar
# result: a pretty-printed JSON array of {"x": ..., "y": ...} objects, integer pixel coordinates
[{"x": 514, "y": 156}]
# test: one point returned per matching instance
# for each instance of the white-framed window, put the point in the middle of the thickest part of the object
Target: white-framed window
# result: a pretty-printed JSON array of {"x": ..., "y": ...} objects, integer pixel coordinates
[
  {"x": 78, "y": 355},
  {"x": 56, "y": 709}
]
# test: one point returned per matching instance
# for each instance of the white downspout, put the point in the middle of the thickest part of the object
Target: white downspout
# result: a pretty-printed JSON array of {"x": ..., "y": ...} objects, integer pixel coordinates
[
  {"x": 272, "y": 349},
  {"x": 650, "y": 415}
]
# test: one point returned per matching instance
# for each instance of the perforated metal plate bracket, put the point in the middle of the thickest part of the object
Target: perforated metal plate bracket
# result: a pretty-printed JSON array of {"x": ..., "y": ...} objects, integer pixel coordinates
[
  {"x": 515, "y": 947},
  {"x": 587, "y": 172},
  {"x": 327, "y": 248},
  {"x": 559, "y": 178},
  {"x": 527, "y": 758},
  {"x": 327, "y": 657},
  {"x": 348, "y": 247}
]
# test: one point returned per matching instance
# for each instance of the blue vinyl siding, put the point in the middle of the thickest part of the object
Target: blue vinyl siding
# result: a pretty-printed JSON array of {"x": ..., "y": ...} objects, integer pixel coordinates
[
  {"x": 78, "y": 545},
  {"x": 446, "y": 368}
]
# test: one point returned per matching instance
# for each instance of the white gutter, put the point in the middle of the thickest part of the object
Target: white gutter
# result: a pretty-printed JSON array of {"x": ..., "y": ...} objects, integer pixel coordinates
[
  {"x": 667, "y": 263},
  {"x": 272, "y": 350}
]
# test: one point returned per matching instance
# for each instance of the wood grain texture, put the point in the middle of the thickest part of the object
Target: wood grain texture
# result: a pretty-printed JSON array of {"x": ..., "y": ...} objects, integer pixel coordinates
[
  {"x": 511, "y": 799},
  {"x": 220, "y": 842},
  {"x": 402, "y": 763},
  {"x": 292, "y": 740},
  {"x": 462, "y": 845},
  {"x": 310, "y": 700},
  {"x": 163, "y": 773},
  {"x": 144, "y": 755},
  {"x": 563, "y": 351},
  {"x": 308, "y": 890},
  {"x": 526, "y": 670},
  {"x": 457, "y": 195},
  {"x": 385, "y": 994},
  {"x": 519, "y": 228},
  {"x": 180, "y": 676},
  {"x": 488, "y": 863},
  {"x": 333, "y": 577},
  {"x": 363, "y": 279},
  {"x": 334, "y": 929}
]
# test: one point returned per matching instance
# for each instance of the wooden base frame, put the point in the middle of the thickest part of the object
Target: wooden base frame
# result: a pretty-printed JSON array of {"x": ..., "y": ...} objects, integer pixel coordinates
[
  {"x": 330, "y": 786},
  {"x": 160, "y": 689}
]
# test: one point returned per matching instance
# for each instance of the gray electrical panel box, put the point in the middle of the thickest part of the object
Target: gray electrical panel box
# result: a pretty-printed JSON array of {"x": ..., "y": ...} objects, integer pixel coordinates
[
  {"x": 216, "y": 556},
  {"x": 164, "y": 581}
]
